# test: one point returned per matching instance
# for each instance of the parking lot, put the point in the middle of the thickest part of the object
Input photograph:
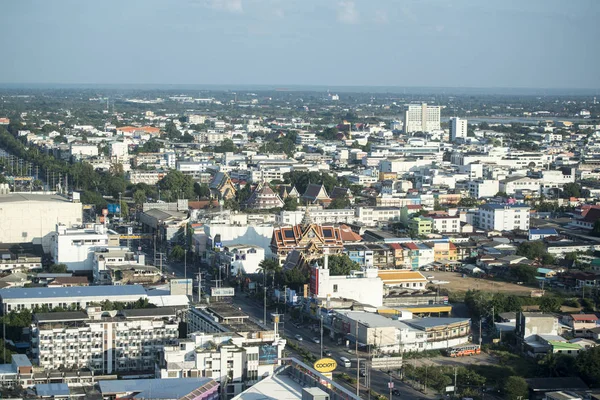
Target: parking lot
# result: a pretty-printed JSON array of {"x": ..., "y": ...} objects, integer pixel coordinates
[{"x": 456, "y": 282}]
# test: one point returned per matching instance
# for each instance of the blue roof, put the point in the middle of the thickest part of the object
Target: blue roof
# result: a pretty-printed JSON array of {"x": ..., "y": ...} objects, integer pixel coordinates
[
  {"x": 52, "y": 389},
  {"x": 155, "y": 388},
  {"x": 496, "y": 206},
  {"x": 547, "y": 231},
  {"x": 46, "y": 292}
]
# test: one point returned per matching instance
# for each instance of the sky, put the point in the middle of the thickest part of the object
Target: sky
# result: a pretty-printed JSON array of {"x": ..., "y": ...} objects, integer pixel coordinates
[{"x": 404, "y": 43}]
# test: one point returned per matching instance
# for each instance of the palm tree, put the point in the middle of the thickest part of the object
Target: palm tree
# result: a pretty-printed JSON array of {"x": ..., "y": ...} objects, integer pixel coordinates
[{"x": 269, "y": 266}]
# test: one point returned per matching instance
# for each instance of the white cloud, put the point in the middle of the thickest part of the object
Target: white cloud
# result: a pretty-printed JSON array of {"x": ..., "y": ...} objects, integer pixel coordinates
[
  {"x": 347, "y": 12},
  {"x": 381, "y": 17},
  {"x": 233, "y": 6}
]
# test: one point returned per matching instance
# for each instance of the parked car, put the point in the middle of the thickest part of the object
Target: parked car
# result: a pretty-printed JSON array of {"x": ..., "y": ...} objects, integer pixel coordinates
[
  {"x": 316, "y": 340},
  {"x": 298, "y": 338}
]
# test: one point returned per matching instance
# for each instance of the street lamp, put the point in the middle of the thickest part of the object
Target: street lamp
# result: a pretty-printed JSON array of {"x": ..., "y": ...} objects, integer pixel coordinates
[{"x": 321, "y": 335}]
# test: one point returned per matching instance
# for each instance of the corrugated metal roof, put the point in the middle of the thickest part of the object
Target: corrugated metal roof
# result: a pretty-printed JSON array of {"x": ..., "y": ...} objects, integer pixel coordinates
[{"x": 45, "y": 292}]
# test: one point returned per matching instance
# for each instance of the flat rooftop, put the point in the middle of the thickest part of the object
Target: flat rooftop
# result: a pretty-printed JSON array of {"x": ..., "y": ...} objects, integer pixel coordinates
[
  {"x": 81, "y": 291},
  {"x": 19, "y": 197}
]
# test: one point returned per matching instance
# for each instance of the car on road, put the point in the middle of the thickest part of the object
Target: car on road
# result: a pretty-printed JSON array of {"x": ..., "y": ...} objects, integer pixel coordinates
[
  {"x": 363, "y": 372},
  {"x": 327, "y": 353},
  {"x": 298, "y": 338},
  {"x": 396, "y": 392},
  {"x": 316, "y": 340}
]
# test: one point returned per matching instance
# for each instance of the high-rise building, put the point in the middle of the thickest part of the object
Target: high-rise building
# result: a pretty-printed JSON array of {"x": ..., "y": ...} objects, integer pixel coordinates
[
  {"x": 421, "y": 118},
  {"x": 458, "y": 129}
]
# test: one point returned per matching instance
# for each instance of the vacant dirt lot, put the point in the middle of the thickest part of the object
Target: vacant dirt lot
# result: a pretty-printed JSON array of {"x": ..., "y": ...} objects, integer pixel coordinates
[{"x": 458, "y": 283}]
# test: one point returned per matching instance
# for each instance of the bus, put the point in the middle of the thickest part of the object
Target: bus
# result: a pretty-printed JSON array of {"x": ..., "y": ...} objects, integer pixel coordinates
[{"x": 463, "y": 350}]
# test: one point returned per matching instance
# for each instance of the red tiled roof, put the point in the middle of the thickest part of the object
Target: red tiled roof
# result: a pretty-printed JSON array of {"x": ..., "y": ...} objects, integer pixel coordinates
[
  {"x": 348, "y": 235},
  {"x": 411, "y": 246},
  {"x": 584, "y": 317},
  {"x": 395, "y": 246}
]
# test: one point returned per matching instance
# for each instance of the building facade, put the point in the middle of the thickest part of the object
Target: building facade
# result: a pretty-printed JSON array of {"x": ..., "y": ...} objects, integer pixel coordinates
[
  {"x": 421, "y": 118},
  {"x": 504, "y": 217}
]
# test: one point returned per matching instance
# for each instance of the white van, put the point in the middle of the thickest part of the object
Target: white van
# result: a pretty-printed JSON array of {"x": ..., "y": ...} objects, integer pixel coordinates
[{"x": 345, "y": 362}]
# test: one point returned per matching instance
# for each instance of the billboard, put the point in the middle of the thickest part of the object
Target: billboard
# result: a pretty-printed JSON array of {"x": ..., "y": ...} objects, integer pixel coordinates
[
  {"x": 113, "y": 208},
  {"x": 325, "y": 365},
  {"x": 267, "y": 354},
  {"x": 222, "y": 291}
]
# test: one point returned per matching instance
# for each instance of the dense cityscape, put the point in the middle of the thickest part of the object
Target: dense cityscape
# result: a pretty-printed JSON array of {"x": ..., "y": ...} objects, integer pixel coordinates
[{"x": 316, "y": 200}]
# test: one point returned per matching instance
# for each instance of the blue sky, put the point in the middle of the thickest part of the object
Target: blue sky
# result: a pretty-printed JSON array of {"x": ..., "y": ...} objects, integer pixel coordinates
[{"x": 437, "y": 43}]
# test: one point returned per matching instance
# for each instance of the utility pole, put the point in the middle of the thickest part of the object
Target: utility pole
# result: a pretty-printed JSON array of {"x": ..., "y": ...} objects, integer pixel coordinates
[
  {"x": 199, "y": 287},
  {"x": 455, "y": 374},
  {"x": 321, "y": 334},
  {"x": 185, "y": 271},
  {"x": 120, "y": 205},
  {"x": 357, "y": 361},
  {"x": 480, "y": 333},
  {"x": 264, "y": 298}
]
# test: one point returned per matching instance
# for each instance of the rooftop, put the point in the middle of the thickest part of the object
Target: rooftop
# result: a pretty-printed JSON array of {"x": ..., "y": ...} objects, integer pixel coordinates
[
  {"x": 159, "y": 388},
  {"x": 81, "y": 291},
  {"x": 19, "y": 197}
]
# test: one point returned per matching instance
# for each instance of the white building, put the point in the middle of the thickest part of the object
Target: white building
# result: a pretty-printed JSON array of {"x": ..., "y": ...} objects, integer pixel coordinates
[
  {"x": 107, "y": 258},
  {"x": 242, "y": 259},
  {"x": 361, "y": 286},
  {"x": 17, "y": 299},
  {"x": 83, "y": 150},
  {"x": 421, "y": 118},
  {"x": 119, "y": 152},
  {"x": 32, "y": 218},
  {"x": 483, "y": 188},
  {"x": 504, "y": 217},
  {"x": 446, "y": 223},
  {"x": 318, "y": 215},
  {"x": 458, "y": 129},
  {"x": 148, "y": 177},
  {"x": 75, "y": 247},
  {"x": 104, "y": 342},
  {"x": 237, "y": 361}
]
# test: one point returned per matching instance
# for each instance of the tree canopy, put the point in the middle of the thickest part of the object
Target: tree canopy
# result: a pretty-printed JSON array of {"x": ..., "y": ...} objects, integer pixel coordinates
[{"x": 176, "y": 185}]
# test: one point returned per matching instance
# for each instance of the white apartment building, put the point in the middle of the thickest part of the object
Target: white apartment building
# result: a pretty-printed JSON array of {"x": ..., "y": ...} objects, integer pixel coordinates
[
  {"x": 319, "y": 216},
  {"x": 83, "y": 150},
  {"x": 446, "y": 223},
  {"x": 193, "y": 168},
  {"x": 75, "y": 247},
  {"x": 399, "y": 165},
  {"x": 504, "y": 217},
  {"x": 481, "y": 188},
  {"x": 421, "y": 118},
  {"x": 371, "y": 216},
  {"x": 363, "y": 180},
  {"x": 305, "y": 138},
  {"x": 520, "y": 184},
  {"x": 17, "y": 299},
  {"x": 148, "y": 177},
  {"x": 107, "y": 342},
  {"x": 105, "y": 258},
  {"x": 365, "y": 287},
  {"x": 237, "y": 361},
  {"x": 119, "y": 152},
  {"x": 458, "y": 129},
  {"x": 196, "y": 119},
  {"x": 242, "y": 259}
]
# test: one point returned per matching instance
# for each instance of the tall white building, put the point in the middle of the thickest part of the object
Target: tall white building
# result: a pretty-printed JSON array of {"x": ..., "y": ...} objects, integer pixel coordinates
[
  {"x": 236, "y": 361},
  {"x": 421, "y": 118},
  {"x": 458, "y": 128},
  {"x": 483, "y": 188},
  {"x": 504, "y": 217},
  {"x": 75, "y": 247},
  {"x": 105, "y": 342}
]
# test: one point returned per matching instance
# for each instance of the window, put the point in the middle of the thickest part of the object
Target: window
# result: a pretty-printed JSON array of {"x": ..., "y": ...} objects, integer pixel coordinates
[{"x": 335, "y": 288}]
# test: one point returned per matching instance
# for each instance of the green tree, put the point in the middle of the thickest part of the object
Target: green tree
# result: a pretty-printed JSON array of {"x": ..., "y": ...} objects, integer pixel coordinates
[
  {"x": 177, "y": 253},
  {"x": 124, "y": 209},
  {"x": 468, "y": 202},
  {"x": 571, "y": 189},
  {"x": 178, "y": 186},
  {"x": 532, "y": 250},
  {"x": 339, "y": 203},
  {"x": 550, "y": 304},
  {"x": 202, "y": 190},
  {"x": 226, "y": 146},
  {"x": 558, "y": 365},
  {"x": 341, "y": 264},
  {"x": 171, "y": 131},
  {"x": 290, "y": 204},
  {"x": 243, "y": 194},
  {"x": 57, "y": 268},
  {"x": 231, "y": 204},
  {"x": 524, "y": 273},
  {"x": 501, "y": 194},
  {"x": 139, "y": 197},
  {"x": 596, "y": 228},
  {"x": 515, "y": 388},
  {"x": 151, "y": 146},
  {"x": 328, "y": 134},
  {"x": 588, "y": 366}
]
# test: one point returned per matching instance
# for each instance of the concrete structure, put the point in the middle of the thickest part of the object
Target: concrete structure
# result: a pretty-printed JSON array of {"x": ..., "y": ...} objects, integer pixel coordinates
[
  {"x": 121, "y": 266},
  {"x": 363, "y": 287},
  {"x": 504, "y": 217},
  {"x": 33, "y": 217},
  {"x": 235, "y": 361},
  {"x": 401, "y": 335},
  {"x": 421, "y": 118},
  {"x": 482, "y": 188},
  {"x": 458, "y": 129},
  {"x": 530, "y": 324},
  {"x": 17, "y": 299},
  {"x": 105, "y": 342},
  {"x": 75, "y": 247},
  {"x": 242, "y": 259},
  {"x": 413, "y": 280}
]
